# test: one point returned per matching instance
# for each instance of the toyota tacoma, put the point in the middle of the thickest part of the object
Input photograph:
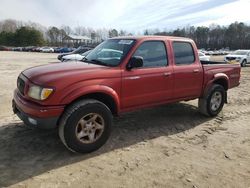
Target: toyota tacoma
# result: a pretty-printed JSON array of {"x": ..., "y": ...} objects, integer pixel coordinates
[{"x": 120, "y": 75}]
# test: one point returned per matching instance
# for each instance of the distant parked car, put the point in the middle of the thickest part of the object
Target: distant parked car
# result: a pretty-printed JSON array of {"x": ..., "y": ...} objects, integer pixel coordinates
[
  {"x": 209, "y": 52},
  {"x": 241, "y": 56},
  {"x": 4, "y": 48},
  {"x": 79, "y": 50},
  {"x": 203, "y": 57},
  {"x": 216, "y": 52},
  {"x": 37, "y": 49},
  {"x": 29, "y": 48},
  {"x": 75, "y": 57},
  {"x": 64, "y": 50},
  {"x": 57, "y": 49},
  {"x": 46, "y": 49},
  {"x": 19, "y": 49}
]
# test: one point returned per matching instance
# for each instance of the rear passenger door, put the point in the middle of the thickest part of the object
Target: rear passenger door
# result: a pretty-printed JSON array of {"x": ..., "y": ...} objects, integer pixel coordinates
[
  {"x": 151, "y": 83},
  {"x": 188, "y": 72}
]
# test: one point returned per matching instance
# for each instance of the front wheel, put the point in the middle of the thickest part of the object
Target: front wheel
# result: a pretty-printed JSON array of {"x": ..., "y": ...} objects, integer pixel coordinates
[
  {"x": 244, "y": 63},
  {"x": 85, "y": 126},
  {"x": 213, "y": 101}
]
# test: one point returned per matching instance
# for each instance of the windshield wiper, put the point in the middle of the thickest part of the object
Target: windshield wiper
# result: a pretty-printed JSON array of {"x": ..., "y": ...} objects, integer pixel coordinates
[
  {"x": 84, "y": 59},
  {"x": 94, "y": 61}
]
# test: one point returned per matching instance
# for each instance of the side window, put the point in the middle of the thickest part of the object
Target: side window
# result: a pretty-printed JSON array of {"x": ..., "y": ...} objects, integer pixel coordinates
[
  {"x": 183, "y": 53},
  {"x": 153, "y": 54}
]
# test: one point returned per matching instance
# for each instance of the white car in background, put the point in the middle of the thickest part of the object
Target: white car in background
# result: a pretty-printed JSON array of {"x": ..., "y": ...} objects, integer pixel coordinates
[
  {"x": 47, "y": 49},
  {"x": 203, "y": 57},
  {"x": 75, "y": 57},
  {"x": 241, "y": 56}
]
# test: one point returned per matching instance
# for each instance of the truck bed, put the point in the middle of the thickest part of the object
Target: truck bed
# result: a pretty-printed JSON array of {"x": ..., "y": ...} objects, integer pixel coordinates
[{"x": 211, "y": 68}]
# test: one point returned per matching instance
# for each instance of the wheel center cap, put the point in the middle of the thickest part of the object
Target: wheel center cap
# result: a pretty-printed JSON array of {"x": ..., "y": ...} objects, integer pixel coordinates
[{"x": 89, "y": 125}]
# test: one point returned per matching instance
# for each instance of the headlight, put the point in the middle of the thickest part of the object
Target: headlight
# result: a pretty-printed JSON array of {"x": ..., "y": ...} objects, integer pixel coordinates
[{"x": 39, "y": 93}]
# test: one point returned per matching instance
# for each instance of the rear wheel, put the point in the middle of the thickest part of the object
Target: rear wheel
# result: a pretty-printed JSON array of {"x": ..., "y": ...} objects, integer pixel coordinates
[
  {"x": 212, "y": 103},
  {"x": 85, "y": 126}
]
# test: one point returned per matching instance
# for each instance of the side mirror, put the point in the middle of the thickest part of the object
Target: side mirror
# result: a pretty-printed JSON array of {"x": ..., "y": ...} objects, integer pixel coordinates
[{"x": 135, "y": 62}]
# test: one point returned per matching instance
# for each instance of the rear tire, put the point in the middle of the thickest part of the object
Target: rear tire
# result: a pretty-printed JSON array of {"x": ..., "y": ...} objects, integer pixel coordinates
[
  {"x": 213, "y": 101},
  {"x": 85, "y": 126}
]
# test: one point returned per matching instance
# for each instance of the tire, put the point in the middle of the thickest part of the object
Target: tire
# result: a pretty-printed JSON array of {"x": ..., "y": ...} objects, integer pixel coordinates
[
  {"x": 85, "y": 126},
  {"x": 244, "y": 63},
  {"x": 213, "y": 101}
]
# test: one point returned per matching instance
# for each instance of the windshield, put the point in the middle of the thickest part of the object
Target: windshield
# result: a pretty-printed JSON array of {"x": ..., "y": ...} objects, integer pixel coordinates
[
  {"x": 86, "y": 53},
  {"x": 240, "y": 52},
  {"x": 110, "y": 52}
]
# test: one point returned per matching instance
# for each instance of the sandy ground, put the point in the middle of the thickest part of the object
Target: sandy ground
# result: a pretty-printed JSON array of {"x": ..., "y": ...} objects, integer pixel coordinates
[{"x": 168, "y": 146}]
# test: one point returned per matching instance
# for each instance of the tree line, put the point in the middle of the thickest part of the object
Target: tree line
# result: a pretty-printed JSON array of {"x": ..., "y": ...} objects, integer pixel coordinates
[
  {"x": 18, "y": 33},
  {"x": 234, "y": 36},
  {"x": 23, "y": 36}
]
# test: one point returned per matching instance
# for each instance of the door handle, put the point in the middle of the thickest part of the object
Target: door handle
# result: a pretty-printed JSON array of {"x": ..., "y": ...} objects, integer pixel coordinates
[
  {"x": 133, "y": 78},
  {"x": 166, "y": 74},
  {"x": 196, "y": 70}
]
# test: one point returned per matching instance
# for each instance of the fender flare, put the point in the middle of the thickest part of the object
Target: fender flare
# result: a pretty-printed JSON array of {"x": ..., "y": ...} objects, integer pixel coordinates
[
  {"x": 216, "y": 77},
  {"x": 86, "y": 90}
]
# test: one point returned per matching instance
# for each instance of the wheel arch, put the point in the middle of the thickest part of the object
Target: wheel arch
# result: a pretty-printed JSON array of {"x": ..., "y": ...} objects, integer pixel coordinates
[
  {"x": 103, "y": 94},
  {"x": 220, "y": 79},
  {"x": 102, "y": 97},
  {"x": 223, "y": 82}
]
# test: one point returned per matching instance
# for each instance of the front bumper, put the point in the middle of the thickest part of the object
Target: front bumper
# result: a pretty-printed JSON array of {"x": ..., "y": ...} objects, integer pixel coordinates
[
  {"x": 35, "y": 115},
  {"x": 48, "y": 123},
  {"x": 233, "y": 61}
]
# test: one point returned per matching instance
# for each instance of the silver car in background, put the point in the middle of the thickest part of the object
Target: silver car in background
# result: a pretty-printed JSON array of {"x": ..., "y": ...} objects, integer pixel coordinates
[
  {"x": 74, "y": 57},
  {"x": 203, "y": 57},
  {"x": 240, "y": 56}
]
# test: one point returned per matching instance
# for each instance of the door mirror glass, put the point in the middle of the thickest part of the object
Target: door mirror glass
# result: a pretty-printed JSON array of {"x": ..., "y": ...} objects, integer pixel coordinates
[{"x": 135, "y": 62}]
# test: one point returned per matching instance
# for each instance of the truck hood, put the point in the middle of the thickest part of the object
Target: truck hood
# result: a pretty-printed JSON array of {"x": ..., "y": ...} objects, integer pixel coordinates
[{"x": 48, "y": 74}]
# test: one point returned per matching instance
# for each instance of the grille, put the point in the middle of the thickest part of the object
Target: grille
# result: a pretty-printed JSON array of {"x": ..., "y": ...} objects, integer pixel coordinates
[
  {"x": 230, "y": 58},
  {"x": 20, "y": 85}
]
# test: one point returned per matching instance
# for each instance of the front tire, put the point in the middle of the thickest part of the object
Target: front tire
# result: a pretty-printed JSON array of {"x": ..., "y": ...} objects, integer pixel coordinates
[
  {"x": 244, "y": 63},
  {"x": 85, "y": 126},
  {"x": 213, "y": 101}
]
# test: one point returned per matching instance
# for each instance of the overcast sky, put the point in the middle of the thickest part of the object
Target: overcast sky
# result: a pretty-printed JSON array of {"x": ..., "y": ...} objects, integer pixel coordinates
[{"x": 127, "y": 14}]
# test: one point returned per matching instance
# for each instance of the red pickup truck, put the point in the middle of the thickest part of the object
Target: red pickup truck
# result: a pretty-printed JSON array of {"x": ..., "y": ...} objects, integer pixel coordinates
[{"x": 120, "y": 75}]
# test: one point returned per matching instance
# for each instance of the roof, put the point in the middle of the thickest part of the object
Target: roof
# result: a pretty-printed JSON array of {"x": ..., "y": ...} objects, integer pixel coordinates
[
  {"x": 77, "y": 37},
  {"x": 150, "y": 37},
  {"x": 155, "y": 37}
]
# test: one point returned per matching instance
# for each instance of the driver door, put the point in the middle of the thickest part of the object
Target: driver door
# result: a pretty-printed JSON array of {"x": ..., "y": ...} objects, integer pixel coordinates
[{"x": 151, "y": 83}]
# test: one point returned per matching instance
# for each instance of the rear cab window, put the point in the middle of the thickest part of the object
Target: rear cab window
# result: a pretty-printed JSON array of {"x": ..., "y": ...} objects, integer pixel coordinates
[{"x": 183, "y": 53}]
